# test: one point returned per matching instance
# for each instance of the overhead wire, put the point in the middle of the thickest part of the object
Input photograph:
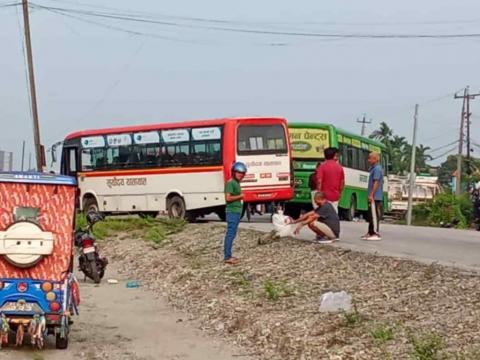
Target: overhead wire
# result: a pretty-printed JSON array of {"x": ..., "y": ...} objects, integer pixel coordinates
[
  {"x": 443, "y": 154},
  {"x": 442, "y": 147},
  {"x": 255, "y": 31},
  {"x": 8, "y": 5},
  {"x": 253, "y": 22}
]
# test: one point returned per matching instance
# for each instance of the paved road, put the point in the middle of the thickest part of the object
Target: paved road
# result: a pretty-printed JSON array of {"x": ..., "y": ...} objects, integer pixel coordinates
[{"x": 459, "y": 248}]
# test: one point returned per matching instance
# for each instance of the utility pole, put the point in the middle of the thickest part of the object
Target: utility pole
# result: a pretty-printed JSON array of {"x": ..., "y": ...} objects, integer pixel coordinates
[
  {"x": 412, "y": 167},
  {"x": 465, "y": 121},
  {"x": 23, "y": 155},
  {"x": 364, "y": 123},
  {"x": 458, "y": 187},
  {"x": 33, "y": 94}
]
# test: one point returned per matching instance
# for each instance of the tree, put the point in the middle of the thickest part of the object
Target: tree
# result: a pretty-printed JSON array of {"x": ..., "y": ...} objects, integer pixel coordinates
[
  {"x": 383, "y": 134},
  {"x": 422, "y": 157},
  {"x": 449, "y": 166},
  {"x": 399, "y": 151}
]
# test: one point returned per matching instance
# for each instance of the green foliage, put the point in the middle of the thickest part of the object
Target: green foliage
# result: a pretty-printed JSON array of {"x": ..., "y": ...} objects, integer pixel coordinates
[
  {"x": 449, "y": 166},
  {"x": 382, "y": 334},
  {"x": 426, "y": 347},
  {"x": 275, "y": 290},
  {"x": 352, "y": 318},
  {"x": 154, "y": 230},
  {"x": 399, "y": 151},
  {"x": 445, "y": 208}
]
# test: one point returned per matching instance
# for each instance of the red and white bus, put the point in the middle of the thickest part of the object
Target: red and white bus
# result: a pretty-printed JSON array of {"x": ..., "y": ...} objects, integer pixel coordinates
[{"x": 179, "y": 168}]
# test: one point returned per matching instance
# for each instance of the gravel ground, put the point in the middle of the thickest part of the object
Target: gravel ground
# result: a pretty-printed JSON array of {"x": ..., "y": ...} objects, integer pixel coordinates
[{"x": 269, "y": 304}]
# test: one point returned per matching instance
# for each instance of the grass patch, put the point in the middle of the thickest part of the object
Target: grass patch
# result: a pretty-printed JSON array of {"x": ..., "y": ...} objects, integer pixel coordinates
[
  {"x": 426, "y": 347},
  {"x": 154, "y": 230},
  {"x": 275, "y": 290},
  {"x": 382, "y": 334},
  {"x": 352, "y": 318}
]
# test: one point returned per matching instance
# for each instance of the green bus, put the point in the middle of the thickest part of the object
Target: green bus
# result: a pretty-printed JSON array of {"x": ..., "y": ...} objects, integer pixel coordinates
[{"x": 308, "y": 140}]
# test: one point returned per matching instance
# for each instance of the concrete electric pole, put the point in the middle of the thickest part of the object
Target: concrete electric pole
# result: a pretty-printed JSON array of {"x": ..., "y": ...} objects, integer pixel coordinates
[
  {"x": 364, "y": 123},
  {"x": 412, "y": 167}
]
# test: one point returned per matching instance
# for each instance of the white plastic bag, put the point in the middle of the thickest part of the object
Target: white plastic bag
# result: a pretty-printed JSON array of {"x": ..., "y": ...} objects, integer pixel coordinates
[
  {"x": 282, "y": 224},
  {"x": 335, "y": 301}
]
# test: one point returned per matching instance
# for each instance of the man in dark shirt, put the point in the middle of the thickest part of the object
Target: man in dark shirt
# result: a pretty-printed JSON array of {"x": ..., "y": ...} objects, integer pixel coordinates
[{"x": 323, "y": 221}]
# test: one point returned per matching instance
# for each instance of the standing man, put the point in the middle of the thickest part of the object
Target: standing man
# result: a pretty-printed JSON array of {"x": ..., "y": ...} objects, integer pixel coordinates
[
  {"x": 375, "y": 197},
  {"x": 233, "y": 209},
  {"x": 331, "y": 177}
]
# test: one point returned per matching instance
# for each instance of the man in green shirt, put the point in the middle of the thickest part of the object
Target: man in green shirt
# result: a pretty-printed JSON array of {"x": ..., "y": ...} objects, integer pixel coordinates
[{"x": 233, "y": 210}]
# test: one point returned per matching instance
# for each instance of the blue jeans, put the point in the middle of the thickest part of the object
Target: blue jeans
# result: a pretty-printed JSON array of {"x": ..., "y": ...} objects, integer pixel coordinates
[{"x": 233, "y": 219}]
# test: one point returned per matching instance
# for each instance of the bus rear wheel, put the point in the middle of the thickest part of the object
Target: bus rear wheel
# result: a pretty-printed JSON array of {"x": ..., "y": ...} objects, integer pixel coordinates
[
  {"x": 176, "y": 208},
  {"x": 351, "y": 211}
]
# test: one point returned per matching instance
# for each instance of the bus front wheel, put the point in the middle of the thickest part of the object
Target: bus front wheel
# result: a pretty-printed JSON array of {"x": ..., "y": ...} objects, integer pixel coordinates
[
  {"x": 90, "y": 205},
  {"x": 176, "y": 208}
]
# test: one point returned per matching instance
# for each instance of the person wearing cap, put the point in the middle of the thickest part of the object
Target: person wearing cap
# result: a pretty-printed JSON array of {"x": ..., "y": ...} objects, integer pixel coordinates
[{"x": 233, "y": 210}]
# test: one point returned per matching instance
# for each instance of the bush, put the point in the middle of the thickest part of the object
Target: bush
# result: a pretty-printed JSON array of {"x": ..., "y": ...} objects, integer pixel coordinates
[{"x": 445, "y": 208}]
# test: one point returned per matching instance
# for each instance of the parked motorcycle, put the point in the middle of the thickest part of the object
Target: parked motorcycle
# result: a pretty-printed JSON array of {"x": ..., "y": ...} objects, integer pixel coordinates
[{"x": 90, "y": 263}]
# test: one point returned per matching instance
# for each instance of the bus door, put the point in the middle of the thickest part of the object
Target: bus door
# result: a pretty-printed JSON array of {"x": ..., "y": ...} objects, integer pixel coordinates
[{"x": 70, "y": 161}]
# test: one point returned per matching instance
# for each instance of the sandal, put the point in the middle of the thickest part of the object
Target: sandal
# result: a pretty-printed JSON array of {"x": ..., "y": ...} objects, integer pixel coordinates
[{"x": 232, "y": 261}]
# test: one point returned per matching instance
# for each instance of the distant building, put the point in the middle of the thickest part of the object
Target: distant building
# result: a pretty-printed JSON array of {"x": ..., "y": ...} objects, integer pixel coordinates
[{"x": 6, "y": 161}]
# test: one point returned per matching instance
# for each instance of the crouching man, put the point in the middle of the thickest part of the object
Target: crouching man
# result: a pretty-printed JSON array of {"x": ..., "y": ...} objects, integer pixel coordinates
[{"x": 323, "y": 221}]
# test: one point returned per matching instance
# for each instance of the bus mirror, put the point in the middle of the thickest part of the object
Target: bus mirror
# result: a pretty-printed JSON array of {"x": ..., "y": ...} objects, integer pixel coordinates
[{"x": 53, "y": 153}]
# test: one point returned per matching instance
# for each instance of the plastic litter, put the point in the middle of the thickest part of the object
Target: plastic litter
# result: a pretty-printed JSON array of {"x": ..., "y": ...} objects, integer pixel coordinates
[
  {"x": 335, "y": 301},
  {"x": 133, "y": 284},
  {"x": 112, "y": 281}
]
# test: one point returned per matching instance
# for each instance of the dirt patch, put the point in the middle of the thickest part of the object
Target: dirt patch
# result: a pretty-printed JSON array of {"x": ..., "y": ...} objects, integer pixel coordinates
[{"x": 270, "y": 303}]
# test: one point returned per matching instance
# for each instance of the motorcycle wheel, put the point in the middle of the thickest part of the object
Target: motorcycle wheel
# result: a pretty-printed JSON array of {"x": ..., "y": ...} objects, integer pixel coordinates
[{"x": 94, "y": 272}]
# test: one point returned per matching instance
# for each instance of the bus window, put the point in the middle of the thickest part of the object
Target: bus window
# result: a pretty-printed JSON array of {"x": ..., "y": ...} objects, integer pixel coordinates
[
  {"x": 93, "y": 159},
  {"x": 261, "y": 139}
]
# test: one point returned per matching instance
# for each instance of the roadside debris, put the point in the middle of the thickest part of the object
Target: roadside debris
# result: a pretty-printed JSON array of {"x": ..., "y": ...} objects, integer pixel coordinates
[
  {"x": 335, "y": 301},
  {"x": 112, "y": 281},
  {"x": 133, "y": 284},
  {"x": 269, "y": 304}
]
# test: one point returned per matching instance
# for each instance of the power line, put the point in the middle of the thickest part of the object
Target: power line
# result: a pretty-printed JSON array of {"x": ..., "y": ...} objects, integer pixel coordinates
[
  {"x": 133, "y": 18},
  {"x": 449, "y": 151},
  {"x": 230, "y": 21},
  {"x": 128, "y": 31},
  {"x": 8, "y": 5},
  {"x": 443, "y": 147}
]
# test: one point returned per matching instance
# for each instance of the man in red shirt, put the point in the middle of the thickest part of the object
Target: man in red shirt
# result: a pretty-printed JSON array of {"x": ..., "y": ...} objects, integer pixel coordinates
[{"x": 331, "y": 177}]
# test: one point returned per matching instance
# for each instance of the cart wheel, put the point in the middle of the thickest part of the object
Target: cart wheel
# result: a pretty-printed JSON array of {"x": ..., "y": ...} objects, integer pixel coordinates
[{"x": 61, "y": 343}]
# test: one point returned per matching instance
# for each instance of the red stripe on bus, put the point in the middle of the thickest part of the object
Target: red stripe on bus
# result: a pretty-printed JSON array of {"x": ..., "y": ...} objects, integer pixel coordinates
[{"x": 152, "y": 171}]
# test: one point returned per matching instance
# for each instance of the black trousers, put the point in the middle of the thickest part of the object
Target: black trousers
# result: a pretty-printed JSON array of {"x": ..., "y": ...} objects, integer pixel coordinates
[{"x": 375, "y": 212}]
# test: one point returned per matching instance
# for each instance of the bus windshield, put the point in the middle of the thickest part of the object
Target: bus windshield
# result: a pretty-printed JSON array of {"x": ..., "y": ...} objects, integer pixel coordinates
[{"x": 261, "y": 139}]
